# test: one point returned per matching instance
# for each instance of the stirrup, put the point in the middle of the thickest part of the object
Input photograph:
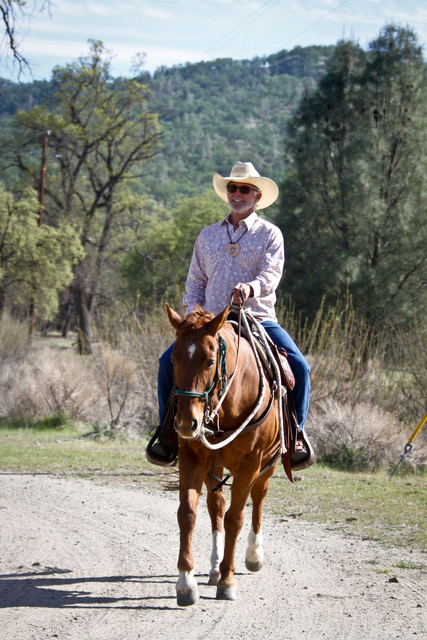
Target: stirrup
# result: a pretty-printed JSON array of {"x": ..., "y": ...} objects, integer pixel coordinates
[
  {"x": 168, "y": 460},
  {"x": 309, "y": 458}
]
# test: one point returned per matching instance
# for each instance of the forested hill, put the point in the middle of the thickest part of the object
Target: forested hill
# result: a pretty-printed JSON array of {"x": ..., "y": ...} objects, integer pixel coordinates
[
  {"x": 228, "y": 110},
  {"x": 212, "y": 114}
]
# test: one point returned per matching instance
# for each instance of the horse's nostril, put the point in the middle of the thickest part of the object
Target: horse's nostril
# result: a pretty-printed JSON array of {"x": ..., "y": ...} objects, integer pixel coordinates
[{"x": 194, "y": 425}]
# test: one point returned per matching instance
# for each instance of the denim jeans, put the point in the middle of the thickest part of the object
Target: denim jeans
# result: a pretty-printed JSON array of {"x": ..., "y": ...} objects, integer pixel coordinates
[
  {"x": 298, "y": 363},
  {"x": 299, "y": 366}
]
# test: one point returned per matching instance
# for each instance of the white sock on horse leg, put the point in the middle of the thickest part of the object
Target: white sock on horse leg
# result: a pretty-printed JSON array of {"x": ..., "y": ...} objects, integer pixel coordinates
[
  {"x": 255, "y": 550},
  {"x": 216, "y": 555}
]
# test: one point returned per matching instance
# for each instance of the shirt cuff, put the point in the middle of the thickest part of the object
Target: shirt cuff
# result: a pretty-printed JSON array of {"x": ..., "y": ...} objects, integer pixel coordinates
[{"x": 256, "y": 286}]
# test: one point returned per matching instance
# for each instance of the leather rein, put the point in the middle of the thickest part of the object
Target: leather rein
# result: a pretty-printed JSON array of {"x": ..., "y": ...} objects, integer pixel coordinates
[{"x": 225, "y": 384}]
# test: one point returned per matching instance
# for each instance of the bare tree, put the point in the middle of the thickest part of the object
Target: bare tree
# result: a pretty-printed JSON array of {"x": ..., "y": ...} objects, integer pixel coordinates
[{"x": 13, "y": 13}]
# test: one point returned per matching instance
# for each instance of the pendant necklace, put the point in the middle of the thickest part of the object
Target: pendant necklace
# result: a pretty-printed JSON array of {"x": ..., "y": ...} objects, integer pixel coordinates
[{"x": 233, "y": 248}]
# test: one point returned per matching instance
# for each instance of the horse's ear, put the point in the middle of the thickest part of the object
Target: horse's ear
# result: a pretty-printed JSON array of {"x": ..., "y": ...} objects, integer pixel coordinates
[
  {"x": 214, "y": 325},
  {"x": 174, "y": 318}
]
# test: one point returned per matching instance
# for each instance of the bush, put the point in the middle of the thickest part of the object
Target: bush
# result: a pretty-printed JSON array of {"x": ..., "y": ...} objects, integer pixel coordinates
[{"x": 361, "y": 414}]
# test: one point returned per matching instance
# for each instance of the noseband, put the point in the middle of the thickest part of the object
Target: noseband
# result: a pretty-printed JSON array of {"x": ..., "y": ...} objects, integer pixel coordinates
[{"x": 220, "y": 376}]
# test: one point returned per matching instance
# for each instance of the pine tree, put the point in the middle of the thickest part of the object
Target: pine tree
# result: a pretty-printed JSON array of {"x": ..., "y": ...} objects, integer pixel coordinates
[{"x": 352, "y": 201}]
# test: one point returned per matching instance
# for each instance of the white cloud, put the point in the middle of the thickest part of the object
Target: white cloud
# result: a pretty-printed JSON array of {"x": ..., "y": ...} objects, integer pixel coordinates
[{"x": 156, "y": 13}]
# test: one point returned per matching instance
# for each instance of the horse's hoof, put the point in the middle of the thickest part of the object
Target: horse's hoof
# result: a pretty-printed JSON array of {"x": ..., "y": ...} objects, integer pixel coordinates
[
  {"x": 187, "y": 597},
  {"x": 253, "y": 566},
  {"x": 226, "y": 593},
  {"x": 213, "y": 577}
]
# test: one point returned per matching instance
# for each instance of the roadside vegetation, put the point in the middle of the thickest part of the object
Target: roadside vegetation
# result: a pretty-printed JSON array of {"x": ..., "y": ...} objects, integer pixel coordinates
[
  {"x": 128, "y": 166},
  {"x": 362, "y": 505},
  {"x": 366, "y": 399}
]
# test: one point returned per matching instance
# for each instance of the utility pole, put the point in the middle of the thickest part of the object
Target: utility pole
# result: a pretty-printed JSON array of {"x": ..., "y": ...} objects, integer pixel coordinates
[{"x": 40, "y": 220}]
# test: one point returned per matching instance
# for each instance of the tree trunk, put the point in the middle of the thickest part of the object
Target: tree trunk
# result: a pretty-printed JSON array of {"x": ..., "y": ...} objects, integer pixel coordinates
[{"x": 84, "y": 321}]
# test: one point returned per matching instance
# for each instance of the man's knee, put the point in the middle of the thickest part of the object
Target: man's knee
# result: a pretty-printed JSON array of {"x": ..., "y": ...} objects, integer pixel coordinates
[{"x": 299, "y": 366}]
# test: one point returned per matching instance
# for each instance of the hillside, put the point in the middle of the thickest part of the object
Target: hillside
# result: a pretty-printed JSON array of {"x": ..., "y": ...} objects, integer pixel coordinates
[{"x": 212, "y": 113}]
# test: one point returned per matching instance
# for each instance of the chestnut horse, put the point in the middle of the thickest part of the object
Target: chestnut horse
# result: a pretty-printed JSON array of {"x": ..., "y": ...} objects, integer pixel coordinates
[{"x": 208, "y": 350}]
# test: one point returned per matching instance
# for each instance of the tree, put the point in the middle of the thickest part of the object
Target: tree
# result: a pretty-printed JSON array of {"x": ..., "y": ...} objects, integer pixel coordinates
[
  {"x": 101, "y": 133},
  {"x": 352, "y": 204},
  {"x": 33, "y": 257},
  {"x": 158, "y": 265},
  {"x": 12, "y": 13}
]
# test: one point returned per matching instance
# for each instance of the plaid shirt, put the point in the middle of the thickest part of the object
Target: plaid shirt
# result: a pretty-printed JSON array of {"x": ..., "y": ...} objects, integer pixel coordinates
[{"x": 213, "y": 273}]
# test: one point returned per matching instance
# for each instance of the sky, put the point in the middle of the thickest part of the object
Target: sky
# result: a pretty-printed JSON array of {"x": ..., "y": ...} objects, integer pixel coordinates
[{"x": 174, "y": 32}]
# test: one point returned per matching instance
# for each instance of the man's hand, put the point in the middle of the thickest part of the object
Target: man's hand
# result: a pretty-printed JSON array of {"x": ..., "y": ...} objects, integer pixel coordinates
[{"x": 241, "y": 293}]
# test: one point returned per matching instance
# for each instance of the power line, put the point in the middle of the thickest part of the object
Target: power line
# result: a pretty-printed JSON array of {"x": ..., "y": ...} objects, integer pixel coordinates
[
  {"x": 314, "y": 23},
  {"x": 230, "y": 35},
  {"x": 255, "y": 15}
]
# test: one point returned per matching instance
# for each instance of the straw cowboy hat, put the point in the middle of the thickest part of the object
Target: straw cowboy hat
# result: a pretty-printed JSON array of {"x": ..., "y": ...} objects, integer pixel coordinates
[{"x": 246, "y": 172}]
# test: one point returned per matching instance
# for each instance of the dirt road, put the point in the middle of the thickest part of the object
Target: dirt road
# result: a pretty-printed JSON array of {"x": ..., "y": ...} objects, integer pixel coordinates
[{"x": 85, "y": 561}]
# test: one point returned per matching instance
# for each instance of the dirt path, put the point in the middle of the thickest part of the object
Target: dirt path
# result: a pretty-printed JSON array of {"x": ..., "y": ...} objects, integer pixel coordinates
[{"x": 82, "y": 561}]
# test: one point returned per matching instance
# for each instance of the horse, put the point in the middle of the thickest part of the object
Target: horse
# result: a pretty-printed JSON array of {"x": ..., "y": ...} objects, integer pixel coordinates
[{"x": 216, "y": 369}]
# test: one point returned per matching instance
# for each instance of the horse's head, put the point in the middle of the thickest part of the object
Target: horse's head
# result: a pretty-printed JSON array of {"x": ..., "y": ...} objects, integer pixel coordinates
[{"x": 195, "y": 357}]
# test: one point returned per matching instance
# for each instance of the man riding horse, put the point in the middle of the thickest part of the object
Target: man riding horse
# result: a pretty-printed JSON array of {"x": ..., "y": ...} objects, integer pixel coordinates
[{"x": 242, "y": 256}]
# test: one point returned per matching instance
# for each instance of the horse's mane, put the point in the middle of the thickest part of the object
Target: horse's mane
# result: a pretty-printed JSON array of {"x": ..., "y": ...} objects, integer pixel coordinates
[{"x": 196, "y": 319}]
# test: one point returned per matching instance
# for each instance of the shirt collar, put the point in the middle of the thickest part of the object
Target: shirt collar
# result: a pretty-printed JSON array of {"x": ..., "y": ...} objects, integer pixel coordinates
[{"x": 249, "y": 221}]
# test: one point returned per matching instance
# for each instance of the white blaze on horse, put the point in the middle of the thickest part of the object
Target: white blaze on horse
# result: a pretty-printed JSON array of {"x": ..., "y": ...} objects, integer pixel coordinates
[{"x": 227, "y": 417}]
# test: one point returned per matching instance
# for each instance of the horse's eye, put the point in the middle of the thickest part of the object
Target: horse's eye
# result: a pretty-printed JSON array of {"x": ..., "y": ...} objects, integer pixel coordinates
[{"x": 210, "y": 362}]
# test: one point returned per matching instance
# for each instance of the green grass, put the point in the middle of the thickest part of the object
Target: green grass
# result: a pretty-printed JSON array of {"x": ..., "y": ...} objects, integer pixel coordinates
[
  {"x": 364, "y": 505},
  {"x": 67, "y": 450}
]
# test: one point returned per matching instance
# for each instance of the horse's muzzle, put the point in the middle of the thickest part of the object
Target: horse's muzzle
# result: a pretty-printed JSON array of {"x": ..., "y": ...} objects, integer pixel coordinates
[{"x": 188, "y": 427}]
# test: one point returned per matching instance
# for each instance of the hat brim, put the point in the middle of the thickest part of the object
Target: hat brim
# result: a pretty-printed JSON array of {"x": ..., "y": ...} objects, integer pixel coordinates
[{"x": 269, "y": 189}]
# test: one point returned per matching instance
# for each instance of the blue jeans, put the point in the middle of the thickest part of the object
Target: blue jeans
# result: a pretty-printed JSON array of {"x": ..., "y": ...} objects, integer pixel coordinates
[{"x": 298, "y": 363}]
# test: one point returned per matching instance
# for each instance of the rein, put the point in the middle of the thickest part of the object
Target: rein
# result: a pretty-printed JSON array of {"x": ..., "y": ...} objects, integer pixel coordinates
[
  {"x": 280, "y": 391},
  {"x": 209, "y": 432},
  {"x": 221, "y": 376}
]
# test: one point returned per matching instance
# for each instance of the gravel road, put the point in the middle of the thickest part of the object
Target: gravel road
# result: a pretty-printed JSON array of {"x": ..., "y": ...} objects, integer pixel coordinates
[{"x": 81, "y": 560}]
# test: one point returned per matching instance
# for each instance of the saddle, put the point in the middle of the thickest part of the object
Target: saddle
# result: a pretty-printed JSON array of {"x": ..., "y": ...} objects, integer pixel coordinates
[
  {"x": 162, "y": 448},
  {"x": 300, "y": 454}
]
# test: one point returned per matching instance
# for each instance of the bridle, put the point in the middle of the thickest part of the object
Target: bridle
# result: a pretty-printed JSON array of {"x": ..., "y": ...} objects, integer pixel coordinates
[{"x": 220, "y": 377}]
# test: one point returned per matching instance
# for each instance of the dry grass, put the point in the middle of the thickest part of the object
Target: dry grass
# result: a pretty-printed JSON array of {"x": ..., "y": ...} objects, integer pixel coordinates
[
  {"x": 113, "y": 390},
  {"x": 361, "y": 437},
  {"x": 368, "y": 392},
  {"x": 366, "y": 399}
]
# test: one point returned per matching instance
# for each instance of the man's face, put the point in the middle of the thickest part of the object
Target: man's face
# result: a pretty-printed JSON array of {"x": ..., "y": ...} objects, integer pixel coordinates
[{"x": 242, "y": 203}]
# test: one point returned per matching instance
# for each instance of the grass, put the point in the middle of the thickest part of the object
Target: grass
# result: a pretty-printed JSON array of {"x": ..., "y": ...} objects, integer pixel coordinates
[
  {"x": 365, "y": 505},
  {"x": 67, "y": 450}
]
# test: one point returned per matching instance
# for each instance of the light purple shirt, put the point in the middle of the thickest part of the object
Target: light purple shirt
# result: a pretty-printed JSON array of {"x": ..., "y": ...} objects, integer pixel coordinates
[{"x": 213, "y": 273}]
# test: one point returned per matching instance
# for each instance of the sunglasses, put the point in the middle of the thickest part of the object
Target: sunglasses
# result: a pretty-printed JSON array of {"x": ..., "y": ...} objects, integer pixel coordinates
[{"x": 244, "y": 189}]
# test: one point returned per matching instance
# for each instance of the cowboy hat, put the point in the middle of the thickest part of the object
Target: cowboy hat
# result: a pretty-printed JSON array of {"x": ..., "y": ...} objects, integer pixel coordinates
[{"x": 246, "y": 172}]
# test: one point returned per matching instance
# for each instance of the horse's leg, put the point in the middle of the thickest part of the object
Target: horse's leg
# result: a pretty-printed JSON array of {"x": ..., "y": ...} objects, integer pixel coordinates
[
  {"x": 254, "y": 550},
  {"x": 233, "y": 523},
  {"x": 190, "y": 487},
  {"x": 216, "y": 508}
]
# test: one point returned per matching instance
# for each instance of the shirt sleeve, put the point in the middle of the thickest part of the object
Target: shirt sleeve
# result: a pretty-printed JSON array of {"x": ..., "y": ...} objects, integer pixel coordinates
[
  {"x": 271, "y": 271},
  {"x": 195, "y": 285}
]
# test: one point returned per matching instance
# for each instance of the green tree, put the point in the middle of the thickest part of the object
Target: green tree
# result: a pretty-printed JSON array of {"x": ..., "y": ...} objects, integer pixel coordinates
[
  {"x": 158, "y": 265},
  {"x": 102, "y": 133},
  {"x": 352, "y": 206},
  {"x": 33, "y": 257}
]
